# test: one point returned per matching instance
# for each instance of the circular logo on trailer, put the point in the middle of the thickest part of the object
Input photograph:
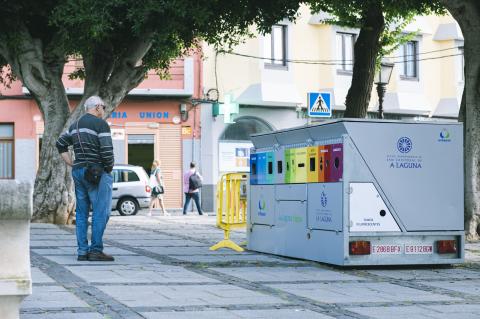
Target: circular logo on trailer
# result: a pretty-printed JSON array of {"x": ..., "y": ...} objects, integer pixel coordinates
[
  {"x": 444, "y": 134},
  {"x": 261, "y": 204},
  {"x": 404, "y": 145},
  {"x": 323, "y": 199}
]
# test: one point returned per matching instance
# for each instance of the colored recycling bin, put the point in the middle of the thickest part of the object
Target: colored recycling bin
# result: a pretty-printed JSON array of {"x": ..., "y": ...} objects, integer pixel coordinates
[
  {"x": 300, "y": 172},
  {"x": 312, "y": 164},
  {"x": 261, "y": 168},
  {"x": 270, "y": 168},
  {"x": 336, "y": 167},
  {"x": 288, "y": 165},
  {"x": 323, "y": 163}
]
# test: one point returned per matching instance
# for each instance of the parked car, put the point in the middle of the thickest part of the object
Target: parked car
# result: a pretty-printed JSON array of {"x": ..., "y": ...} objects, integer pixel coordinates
[{"x": 130, "y": 189}]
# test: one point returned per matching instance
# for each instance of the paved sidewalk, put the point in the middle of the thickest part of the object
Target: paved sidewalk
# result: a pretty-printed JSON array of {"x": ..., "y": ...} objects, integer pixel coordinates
[{"x": 163, "y": 269}]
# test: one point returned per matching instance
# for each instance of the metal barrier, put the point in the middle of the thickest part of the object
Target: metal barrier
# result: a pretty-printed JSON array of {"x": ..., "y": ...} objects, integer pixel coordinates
[{"x": 231, "y": 207}]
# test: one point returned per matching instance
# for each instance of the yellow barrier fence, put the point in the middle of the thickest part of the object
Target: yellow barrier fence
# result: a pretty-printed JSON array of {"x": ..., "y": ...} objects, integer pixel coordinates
[{"x": 231, "y": 207}]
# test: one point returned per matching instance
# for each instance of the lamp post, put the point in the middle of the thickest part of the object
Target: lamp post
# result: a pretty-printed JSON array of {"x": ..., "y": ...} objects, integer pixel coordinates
[{"x": 381, "y": 80}]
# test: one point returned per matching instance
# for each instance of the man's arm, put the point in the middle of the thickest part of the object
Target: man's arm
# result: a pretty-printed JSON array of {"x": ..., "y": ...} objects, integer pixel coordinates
[
  {"x": 63, "y": 142},
  {"x": 67, "y": 158},
  {"x": 106, "y": 147}
]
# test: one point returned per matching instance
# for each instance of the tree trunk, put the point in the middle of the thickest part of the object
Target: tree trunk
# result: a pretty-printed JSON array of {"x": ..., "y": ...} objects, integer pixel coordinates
[
  {"x": 467, "y": 14},
  {"x": 366, "y": 50},
  {"x": 472, "y": 139},
  {"x": 53, "y": 196},
  {"x": 39, "y": 66}
]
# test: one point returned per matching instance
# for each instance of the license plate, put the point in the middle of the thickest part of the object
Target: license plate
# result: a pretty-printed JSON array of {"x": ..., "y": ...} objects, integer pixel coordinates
[
  {"x": 419, "y": 249},
  {"x": 386, "y": 249}
]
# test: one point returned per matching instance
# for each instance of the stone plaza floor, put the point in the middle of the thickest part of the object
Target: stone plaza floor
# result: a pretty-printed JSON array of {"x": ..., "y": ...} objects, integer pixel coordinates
[{"x": 164, "y": 269}]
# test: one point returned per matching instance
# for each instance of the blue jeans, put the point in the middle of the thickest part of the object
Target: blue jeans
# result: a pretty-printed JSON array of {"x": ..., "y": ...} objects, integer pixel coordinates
[
  {"x": 196, "y": 198},
  {"x": 100, "y": 198}
]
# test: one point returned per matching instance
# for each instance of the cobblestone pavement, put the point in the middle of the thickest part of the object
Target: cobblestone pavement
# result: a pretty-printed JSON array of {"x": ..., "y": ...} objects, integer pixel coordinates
[{"x": 164, "y": 269}]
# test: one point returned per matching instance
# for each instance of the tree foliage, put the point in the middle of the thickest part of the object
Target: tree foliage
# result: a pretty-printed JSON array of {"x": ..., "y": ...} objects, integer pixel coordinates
[
  {"x": 118, "y": 42},
  {"x": 111, "y": 27}
]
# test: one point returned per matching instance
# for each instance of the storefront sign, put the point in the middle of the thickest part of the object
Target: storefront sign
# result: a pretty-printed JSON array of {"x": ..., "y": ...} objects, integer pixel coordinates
[
  {"x": 154, "y": 115},
  {"x": 186, "y": 130},
  {"x": 234, "y": 157},
  {"x": 119, "y": 115},
  {"x": 141, "y": 115}
]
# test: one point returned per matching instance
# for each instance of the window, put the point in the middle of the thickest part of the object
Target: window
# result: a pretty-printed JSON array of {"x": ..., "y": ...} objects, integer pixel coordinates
[
  {"x": 116, "y": 176},
  {"x": 6, "y": 151},
  {"x": 124, "y": 175},
  {"x": 130, "y": 176},
  {"x": 276, "y": 47},
  {"x": 409, "y": 67},
  {"x": 345, "y": 44}
]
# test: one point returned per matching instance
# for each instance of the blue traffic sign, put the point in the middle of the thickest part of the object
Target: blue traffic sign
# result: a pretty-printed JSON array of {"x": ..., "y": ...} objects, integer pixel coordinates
[{"x": 319, "y": 104}]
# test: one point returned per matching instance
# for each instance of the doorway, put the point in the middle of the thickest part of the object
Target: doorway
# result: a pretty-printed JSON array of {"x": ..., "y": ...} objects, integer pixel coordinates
[{"x": 141, "y": 150}]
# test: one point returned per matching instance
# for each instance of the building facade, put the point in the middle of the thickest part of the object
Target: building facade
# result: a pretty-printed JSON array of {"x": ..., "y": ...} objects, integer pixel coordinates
[
  {"x": 157, "y": 120},
  {"x": 269, "y": 77}
]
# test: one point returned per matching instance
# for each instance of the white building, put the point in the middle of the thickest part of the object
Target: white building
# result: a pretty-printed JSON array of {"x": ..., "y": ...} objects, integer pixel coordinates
[{"x": 269, "y": 78}]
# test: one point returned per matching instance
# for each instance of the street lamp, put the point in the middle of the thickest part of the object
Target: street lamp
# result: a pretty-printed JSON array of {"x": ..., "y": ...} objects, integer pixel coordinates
[{"x": 381, "y": 80}]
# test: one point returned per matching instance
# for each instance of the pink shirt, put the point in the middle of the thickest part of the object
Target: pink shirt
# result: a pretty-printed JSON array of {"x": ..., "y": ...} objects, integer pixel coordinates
[{"x": 186, "y": 181}]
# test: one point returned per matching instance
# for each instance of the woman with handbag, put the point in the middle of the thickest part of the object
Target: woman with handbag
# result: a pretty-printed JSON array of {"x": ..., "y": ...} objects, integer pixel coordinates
[{"x": 157, "y": 186}]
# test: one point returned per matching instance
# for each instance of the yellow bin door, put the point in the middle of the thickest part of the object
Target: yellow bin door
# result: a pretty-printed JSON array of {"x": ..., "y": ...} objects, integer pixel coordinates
[{"x": 301, "y": 162}]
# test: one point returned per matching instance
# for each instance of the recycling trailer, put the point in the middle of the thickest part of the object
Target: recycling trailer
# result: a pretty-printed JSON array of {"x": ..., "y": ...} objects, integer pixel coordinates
[{"x": 359, "y": 192}]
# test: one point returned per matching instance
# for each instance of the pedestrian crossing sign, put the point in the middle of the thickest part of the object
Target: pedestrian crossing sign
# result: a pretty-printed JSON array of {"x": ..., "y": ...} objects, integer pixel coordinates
[{"x": 319, "y": 104}]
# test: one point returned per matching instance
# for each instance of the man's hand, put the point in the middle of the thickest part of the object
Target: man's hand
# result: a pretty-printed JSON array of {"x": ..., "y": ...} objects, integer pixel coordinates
[{"x": 67, "y": 158}]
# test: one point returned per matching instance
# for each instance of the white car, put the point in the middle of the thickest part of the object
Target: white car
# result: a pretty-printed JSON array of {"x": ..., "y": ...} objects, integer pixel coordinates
[{"x": 130, "y": 189}]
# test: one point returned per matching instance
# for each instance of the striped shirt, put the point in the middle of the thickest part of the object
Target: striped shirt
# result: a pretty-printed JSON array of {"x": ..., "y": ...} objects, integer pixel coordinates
[{"x": 96, "y": 142}]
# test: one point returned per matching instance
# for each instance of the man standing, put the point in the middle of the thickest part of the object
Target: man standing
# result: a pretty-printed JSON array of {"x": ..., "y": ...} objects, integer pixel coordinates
[
  {"x": 192, "y": 181},
  {"x": 92, "y": 145}
]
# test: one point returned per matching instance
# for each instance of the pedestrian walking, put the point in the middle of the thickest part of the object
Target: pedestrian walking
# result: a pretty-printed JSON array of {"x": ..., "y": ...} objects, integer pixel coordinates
[
  {"x": 192, "y": 181},
  {"x": 158, "y": 188},
  {"x": 93, "y": 148}
]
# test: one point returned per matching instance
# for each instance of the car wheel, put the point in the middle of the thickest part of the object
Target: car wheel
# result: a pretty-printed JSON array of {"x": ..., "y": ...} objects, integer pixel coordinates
[{"x": 127, "y": 206}]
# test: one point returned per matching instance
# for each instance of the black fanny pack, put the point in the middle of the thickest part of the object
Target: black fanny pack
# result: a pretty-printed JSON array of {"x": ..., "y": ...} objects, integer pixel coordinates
[{"x": 93, "y": 174}]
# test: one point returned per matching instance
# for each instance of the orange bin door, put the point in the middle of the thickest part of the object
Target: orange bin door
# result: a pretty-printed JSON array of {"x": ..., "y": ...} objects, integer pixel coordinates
[{"x": 322, "y": 163}]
